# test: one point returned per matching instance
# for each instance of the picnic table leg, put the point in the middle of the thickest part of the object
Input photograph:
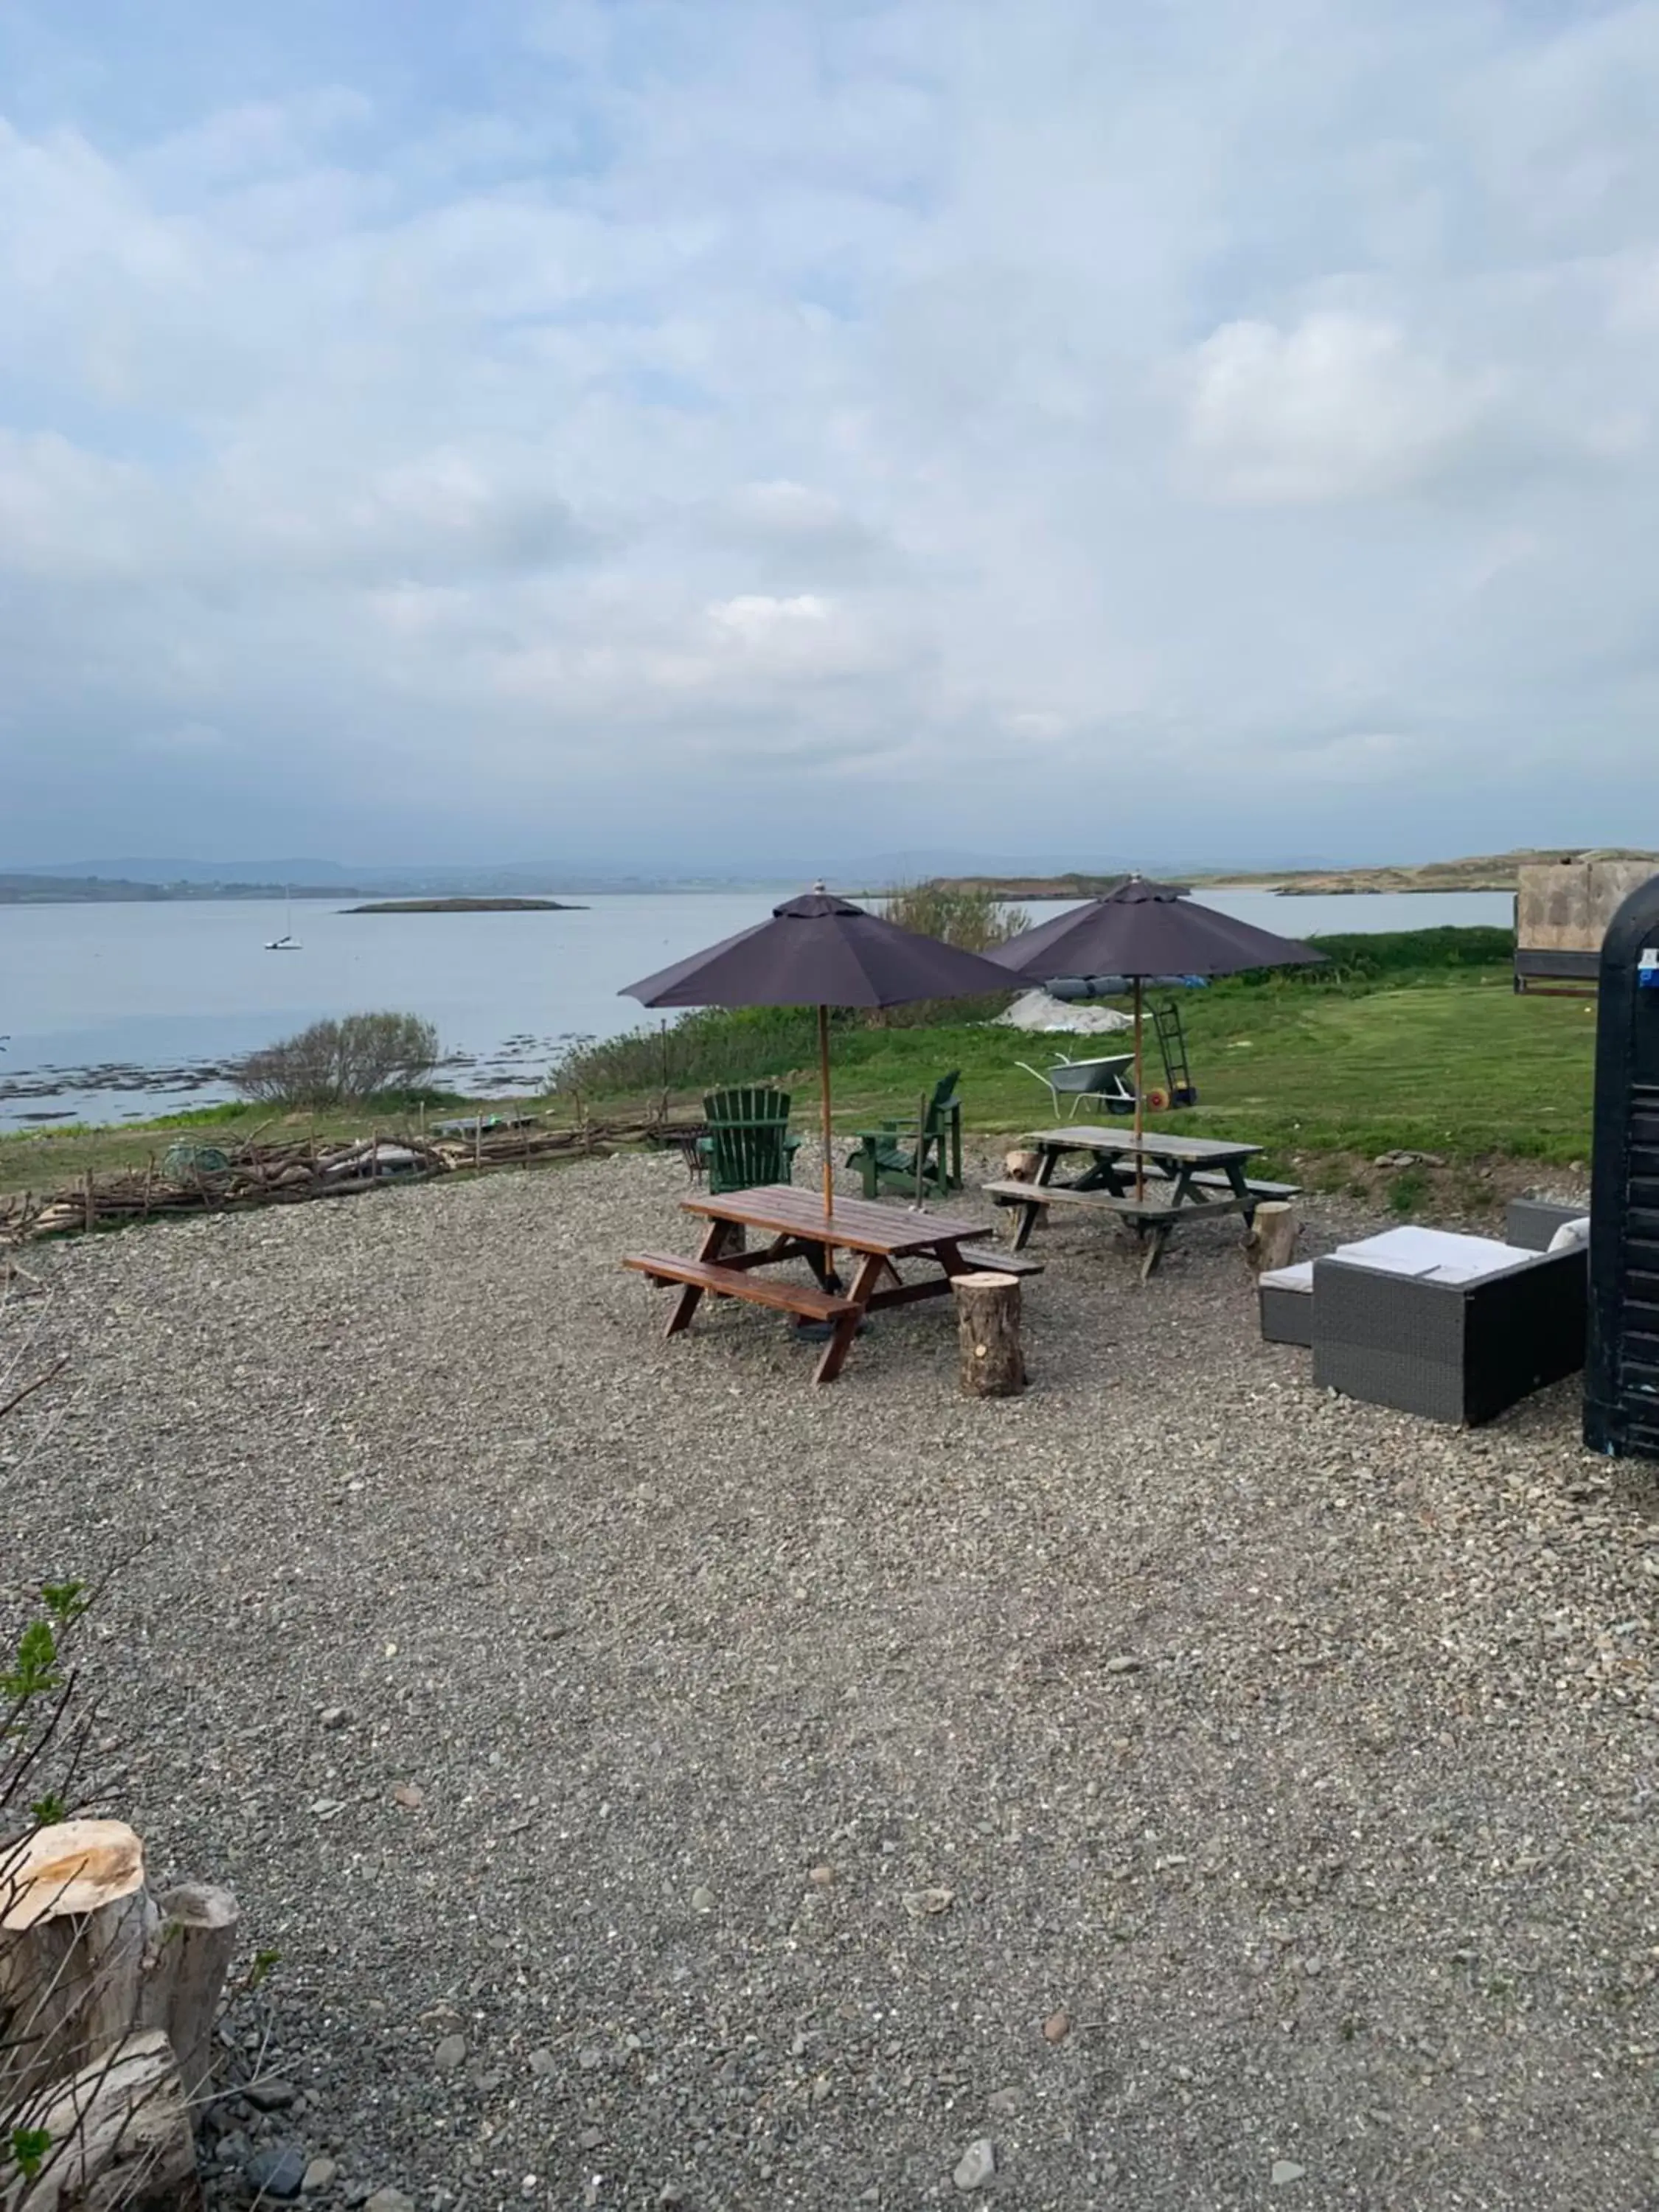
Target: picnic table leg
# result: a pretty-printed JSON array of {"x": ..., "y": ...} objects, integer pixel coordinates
[
  {"x": 1024, "y": 1222},
  {"x": 1241, "y": 1183},
  {"x": 835, "y": 1351},
  {"x": 715, "y": 1241},
  {"x": 1026, "y": 1218},
  {"x": 820, "y": 1259},
  {"x": 1156, "y": 1241}
]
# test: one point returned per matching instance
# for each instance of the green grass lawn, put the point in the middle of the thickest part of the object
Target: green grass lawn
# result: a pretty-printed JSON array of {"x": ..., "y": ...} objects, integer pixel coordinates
[
  {"x": 1446, "y": 1060},
  {"x": 1456, "y": 1064}
]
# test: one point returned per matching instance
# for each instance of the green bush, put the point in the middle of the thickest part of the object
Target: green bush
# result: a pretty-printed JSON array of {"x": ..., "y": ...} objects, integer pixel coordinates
[
  {"x": 705, "y": 1050},
  {"x": 1358, "y": 958}
]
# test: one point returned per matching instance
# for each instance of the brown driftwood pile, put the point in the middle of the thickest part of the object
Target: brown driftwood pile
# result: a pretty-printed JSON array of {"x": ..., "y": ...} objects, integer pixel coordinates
[{"x": 212, "y": 1180}]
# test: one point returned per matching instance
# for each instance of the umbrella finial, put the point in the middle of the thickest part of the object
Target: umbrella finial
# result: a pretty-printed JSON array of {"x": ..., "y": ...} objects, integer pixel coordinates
[{"x": 820, "y": 885}]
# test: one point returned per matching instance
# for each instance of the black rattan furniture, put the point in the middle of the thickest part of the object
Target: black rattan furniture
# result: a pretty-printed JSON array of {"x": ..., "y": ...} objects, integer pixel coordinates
[
  {"x": 1461, "y": 1349},
  {"x": 1531, "y": 1222},
  {"x": 1286, "y": 1300}
]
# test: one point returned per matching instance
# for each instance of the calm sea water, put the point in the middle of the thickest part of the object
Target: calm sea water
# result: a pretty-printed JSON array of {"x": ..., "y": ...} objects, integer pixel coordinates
[{"x": 115, "y": 1012}]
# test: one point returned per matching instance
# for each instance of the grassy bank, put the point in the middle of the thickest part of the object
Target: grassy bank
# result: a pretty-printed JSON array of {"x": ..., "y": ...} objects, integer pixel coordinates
[{"x": 1412, "y": 1043}]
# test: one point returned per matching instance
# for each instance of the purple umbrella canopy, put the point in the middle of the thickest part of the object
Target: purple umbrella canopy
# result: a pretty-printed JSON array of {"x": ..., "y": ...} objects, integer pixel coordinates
[
  {"x": 1144, "y": 928},
  {"x": 821, "y": 951}
]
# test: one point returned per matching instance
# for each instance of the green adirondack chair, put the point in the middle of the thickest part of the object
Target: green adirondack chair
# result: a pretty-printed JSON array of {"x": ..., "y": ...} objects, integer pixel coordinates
[
  {"x": 918, "y": 1158},
  {"x": 748, "y": 1141}
]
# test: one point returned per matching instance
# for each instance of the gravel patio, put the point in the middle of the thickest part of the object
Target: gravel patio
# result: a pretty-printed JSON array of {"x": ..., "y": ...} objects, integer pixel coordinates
[{"x": 666, "y": 1783}]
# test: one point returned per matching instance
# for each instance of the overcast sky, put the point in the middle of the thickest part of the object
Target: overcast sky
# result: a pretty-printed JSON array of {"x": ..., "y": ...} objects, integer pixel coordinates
[{"x": 724, "y": 432}]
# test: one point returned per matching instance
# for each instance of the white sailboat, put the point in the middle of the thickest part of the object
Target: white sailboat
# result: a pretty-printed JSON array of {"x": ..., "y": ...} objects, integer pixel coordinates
[{"x": 287, "y": 942}]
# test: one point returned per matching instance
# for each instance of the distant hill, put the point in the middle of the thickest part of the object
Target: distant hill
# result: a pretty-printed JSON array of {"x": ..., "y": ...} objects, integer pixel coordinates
[
  {"x": 1497, "y": 872},
  {"x": 67, "y": 890}
]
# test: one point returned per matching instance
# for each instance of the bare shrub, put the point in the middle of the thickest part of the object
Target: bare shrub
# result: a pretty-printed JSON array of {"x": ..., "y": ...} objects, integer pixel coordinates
[
  {"x": 341, "y": 1063},
  {"x": 956, "y": 914},
  {"x": 961, "y": 914}
]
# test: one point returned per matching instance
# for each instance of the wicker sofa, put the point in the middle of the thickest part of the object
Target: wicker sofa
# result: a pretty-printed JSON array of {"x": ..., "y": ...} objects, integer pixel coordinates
[{"x": 1456, "y": 1329}]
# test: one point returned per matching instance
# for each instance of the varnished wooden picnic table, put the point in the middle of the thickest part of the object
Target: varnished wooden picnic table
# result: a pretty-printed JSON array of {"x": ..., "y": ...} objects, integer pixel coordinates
[
  {"x": 878, "y": 1237},
  {"x": 1150, "y": 1183}
]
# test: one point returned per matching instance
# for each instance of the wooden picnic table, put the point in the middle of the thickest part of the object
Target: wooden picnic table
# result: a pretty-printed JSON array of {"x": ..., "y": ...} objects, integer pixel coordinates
[
  {"x": 878, "y": 1237},
  {"x": 1150, "y": 1183}
]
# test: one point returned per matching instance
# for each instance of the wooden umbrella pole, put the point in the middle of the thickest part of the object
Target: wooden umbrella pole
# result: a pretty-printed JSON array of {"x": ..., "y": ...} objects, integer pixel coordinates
[{"x": 829, "y": 1128}]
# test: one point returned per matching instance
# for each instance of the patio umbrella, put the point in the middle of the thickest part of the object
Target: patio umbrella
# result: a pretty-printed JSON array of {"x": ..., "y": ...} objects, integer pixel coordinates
[
  {"x": 1142, "y": 931},
  {"x": 821, "y": 951}
]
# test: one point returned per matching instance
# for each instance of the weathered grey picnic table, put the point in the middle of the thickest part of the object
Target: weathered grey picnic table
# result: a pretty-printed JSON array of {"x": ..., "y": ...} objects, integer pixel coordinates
[{"x": 1149, "y": 1183}]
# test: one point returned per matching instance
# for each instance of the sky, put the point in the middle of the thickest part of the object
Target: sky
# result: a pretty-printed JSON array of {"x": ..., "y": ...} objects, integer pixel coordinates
[{"x": 740, "y": 435}]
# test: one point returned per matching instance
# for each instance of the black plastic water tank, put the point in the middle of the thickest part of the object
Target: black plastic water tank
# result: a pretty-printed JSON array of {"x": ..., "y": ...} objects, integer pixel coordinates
[{"x": 1622, "y": 1372}]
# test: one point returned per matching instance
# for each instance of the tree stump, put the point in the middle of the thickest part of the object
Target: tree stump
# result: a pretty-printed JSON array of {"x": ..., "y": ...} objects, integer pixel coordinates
[
  {"x": 988, "y": 1323},
  {"x": 119, "y": 2136},
  {"x": 108, "y": 2002},
  {"x": 186, "y": 1978},
  {"x": 1271, "y": 1240},
  {"x": 75, "y": 1928}
]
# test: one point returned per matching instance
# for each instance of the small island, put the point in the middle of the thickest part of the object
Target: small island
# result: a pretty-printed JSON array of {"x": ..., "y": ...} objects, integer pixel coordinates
[{"x": 468, "y": 906}]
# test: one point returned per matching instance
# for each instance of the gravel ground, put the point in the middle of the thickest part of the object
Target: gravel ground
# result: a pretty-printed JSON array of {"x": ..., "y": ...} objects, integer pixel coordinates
[{"x": 668, "y": 1783}]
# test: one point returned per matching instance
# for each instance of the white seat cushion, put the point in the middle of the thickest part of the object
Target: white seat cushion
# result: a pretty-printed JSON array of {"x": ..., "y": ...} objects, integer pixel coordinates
[
  {"x": 1298, "y": 1277},
  {"x": 1571, "y": 1235},
  {"x": 1437, "y": 1255}
]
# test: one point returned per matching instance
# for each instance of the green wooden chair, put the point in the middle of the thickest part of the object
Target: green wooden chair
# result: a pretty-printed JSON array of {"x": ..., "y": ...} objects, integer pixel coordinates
[
  {"x": 748, "y": 1141},
  {"x": 918, "y": 1158}
]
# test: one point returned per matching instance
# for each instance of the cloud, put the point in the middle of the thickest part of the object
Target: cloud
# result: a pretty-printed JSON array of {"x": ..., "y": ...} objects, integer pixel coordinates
[
  {"x": 1339, "y": 407},
  {"x": 1006, "y": 417}
]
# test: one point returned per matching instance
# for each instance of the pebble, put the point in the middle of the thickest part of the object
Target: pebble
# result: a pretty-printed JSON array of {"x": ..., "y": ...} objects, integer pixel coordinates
[
  {"x": 388, "y": 2200},
  {"x": 591, "y": 2138},
  {"x": 1004, "y": 2100},
  {"x": 1283, "y": 2170},
  {"x": 409, "y": 1796},
  {"x": 542, "y": 2063},
  {"x": 702, "y": 1900},
  {"x": 1057, "y": 2027},
  {"x": 589, "y": 2056},
  {"x": 335, "y": 1716},
  {"x": 449, "y": 2053},
  {"x": 272, "y": 2096},
  {"x": 976, "y": 2165},
  {"x": 822, "y": 1876},
  {"x": 320, "y": 2174},
  {"x": 278, "y": 2172},
  {"x": 921, "y": 1904}
]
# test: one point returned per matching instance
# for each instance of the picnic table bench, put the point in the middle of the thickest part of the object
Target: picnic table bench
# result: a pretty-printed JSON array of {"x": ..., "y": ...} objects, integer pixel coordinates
[
  {"x": 877, "y": 1236},
  {"x": 1150, "y": 1183}
]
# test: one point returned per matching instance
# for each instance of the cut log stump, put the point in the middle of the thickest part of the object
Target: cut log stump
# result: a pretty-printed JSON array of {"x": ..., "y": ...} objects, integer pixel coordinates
[
  {"x": 1271, "y": 1241},
  {"x": 988, "y": 1322},
  {"x": 119, "y": 2136},
  {"x": 108, "y": 2000},
  {"x": 192, "y": 1956}
]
